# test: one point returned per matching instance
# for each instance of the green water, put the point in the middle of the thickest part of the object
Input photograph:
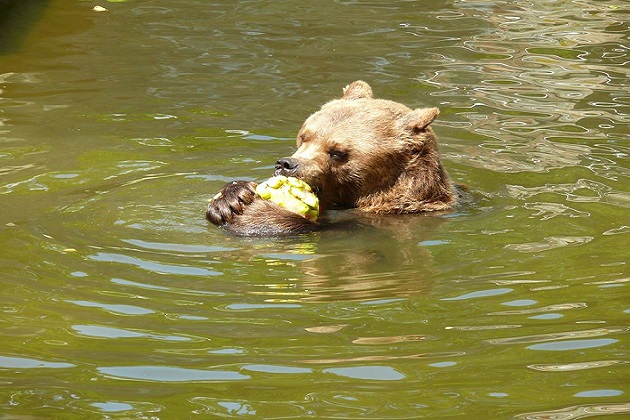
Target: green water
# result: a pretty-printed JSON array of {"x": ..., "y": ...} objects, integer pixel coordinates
[{"x": 118, "y": 300}]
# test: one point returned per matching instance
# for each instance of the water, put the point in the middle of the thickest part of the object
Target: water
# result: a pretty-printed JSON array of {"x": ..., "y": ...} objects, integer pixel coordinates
[{"x": 118, "y": 300}]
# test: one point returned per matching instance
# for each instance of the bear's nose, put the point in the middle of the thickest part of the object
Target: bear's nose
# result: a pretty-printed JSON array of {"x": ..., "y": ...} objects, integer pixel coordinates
[{"x": 286, "y": 166}]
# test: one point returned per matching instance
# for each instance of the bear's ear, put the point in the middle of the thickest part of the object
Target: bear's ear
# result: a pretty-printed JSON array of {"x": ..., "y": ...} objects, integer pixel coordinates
[
  {"x": 419, "y": 119},
  {"x": 357, "y": 90}
]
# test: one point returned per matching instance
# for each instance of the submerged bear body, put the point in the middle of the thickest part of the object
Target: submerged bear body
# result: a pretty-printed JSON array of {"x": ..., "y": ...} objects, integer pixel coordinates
[{"x": 375, "y": 155}]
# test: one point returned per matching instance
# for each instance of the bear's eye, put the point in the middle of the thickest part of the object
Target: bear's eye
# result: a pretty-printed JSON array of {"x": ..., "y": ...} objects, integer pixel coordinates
[{"x": 338, "y": 155}]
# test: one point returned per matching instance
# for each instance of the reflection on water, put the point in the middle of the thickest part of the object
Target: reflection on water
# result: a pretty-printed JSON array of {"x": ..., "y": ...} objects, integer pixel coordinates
[
  {"x": 118, "y": 299},
  {"x": 578, "y": 412},
  {"x": 577, "y": 366}
]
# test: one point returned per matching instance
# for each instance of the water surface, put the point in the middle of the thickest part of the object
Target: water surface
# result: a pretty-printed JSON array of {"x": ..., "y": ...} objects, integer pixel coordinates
[{"x": 120, "y": 301}]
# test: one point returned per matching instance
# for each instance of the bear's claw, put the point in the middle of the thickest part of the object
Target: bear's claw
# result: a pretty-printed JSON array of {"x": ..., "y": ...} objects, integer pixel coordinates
[{"x": 230, "y": 201}]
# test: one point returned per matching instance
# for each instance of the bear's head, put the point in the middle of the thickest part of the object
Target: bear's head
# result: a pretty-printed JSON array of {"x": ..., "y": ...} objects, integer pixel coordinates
[{"x": 374, "y": 154}]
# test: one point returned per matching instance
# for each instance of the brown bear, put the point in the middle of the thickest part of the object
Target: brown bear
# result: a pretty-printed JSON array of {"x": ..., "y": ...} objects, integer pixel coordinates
[{"x": 374, "y": 155}]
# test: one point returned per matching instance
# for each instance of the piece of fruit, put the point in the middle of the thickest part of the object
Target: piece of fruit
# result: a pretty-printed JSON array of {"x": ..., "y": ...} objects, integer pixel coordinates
[{"x": 290, "y": 193}]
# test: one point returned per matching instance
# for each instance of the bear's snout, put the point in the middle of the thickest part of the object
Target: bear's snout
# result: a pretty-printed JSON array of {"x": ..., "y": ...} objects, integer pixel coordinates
[{"x": 286, "y": 166}]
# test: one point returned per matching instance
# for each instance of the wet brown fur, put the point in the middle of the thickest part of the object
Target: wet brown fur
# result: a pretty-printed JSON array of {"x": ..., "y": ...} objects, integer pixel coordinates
[{"x": 375, "y": 155}]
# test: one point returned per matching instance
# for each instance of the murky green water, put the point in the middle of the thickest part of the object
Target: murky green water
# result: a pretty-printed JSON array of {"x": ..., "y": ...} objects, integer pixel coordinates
[{"x": 118, "y": 300}]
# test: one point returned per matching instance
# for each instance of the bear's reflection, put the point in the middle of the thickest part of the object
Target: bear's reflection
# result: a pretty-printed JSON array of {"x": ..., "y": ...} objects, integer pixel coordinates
[{"x": 360, "y": 256}]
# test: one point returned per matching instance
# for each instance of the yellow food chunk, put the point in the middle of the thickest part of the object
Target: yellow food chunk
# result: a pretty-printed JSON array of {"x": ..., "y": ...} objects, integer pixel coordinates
[{"x": 292, "y": 194}]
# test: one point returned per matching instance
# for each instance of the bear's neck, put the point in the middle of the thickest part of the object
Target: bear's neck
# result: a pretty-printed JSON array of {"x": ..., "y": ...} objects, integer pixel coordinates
[{"x": 423, "y": 186}]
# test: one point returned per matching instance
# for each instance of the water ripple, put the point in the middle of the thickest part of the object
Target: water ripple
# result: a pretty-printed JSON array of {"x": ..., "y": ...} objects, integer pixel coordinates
[
  {"x": 9, "y": 362},
  {"x": 573, "y": 344},
  {"x": 550, "y": 243},
  {"x": 583, "y": 190},
  {"x": 100, "y": 331},
  {"x": 113, "y": 308},
  {"x": 549, "y": 308},
  {"x": 170, "y": 290},
  {"x": 237, "y": 407},
  {"x": 178, "y": 248},
  {"x": 577, "y": 412},
  {"x": 541, "y": 338},
  {"x": 381, "y": 358},
  {"x": 388, "y": 340},
  {"x": 372, "y": 373},
  {"x": 153, "y": 266},
  {"x": 276, "y": 369},
  {"x": 548, "y": 211},
  {"x": 569, "y": 367},
  {"x": 170, "y": 374},
  {"x": 481, "y": 294}
]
